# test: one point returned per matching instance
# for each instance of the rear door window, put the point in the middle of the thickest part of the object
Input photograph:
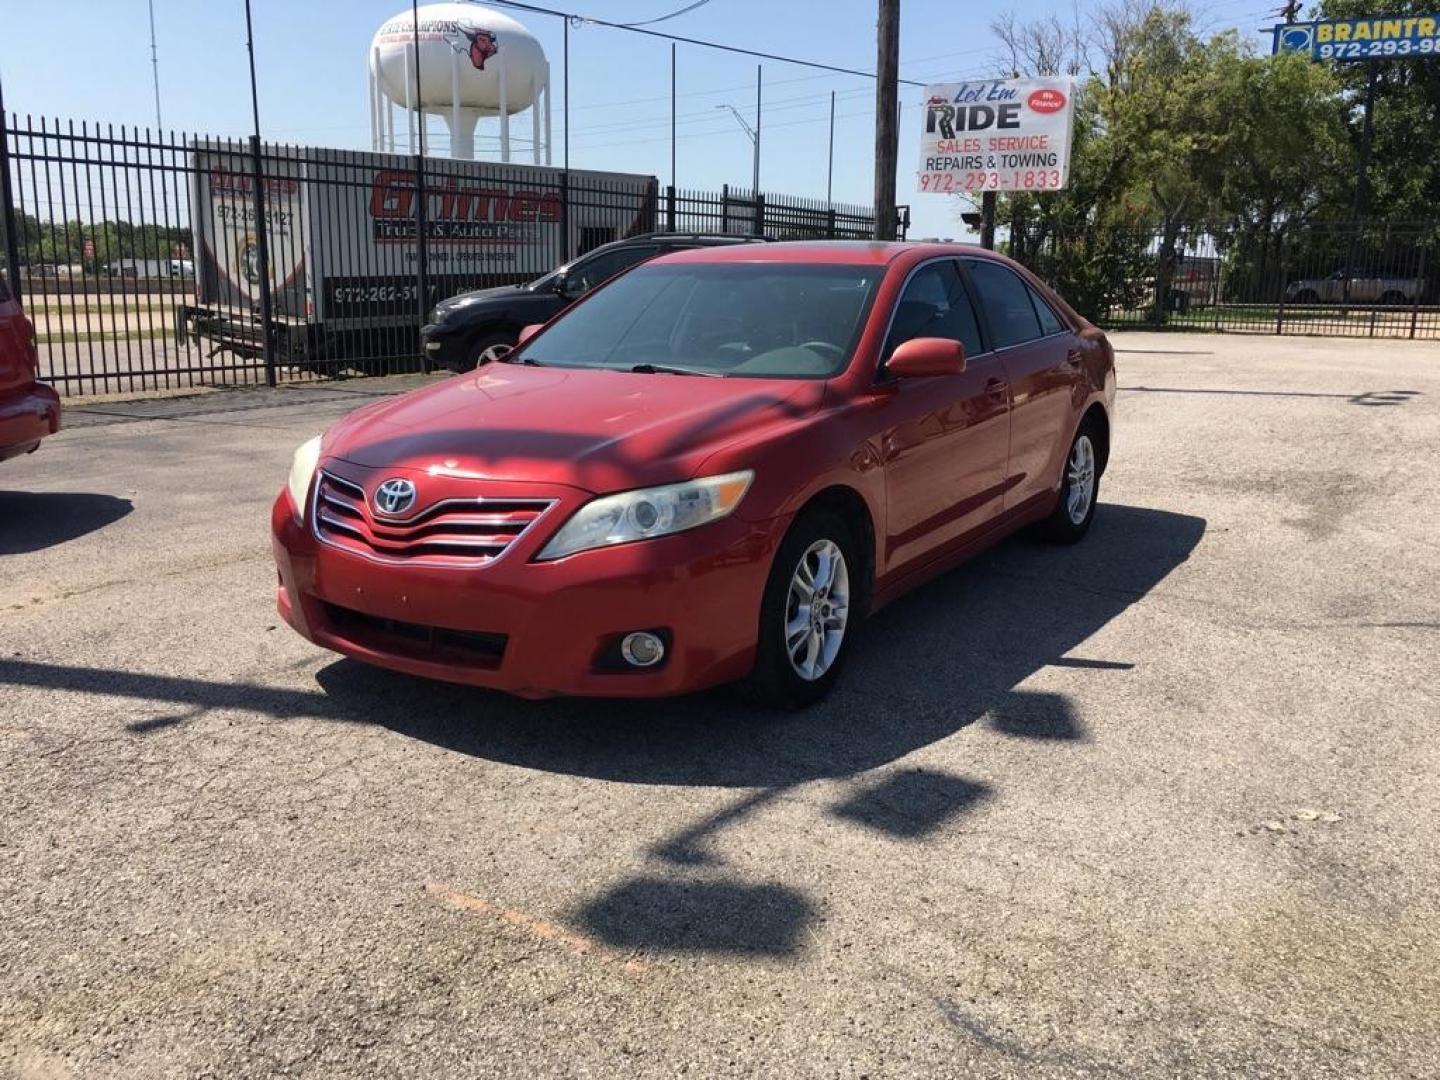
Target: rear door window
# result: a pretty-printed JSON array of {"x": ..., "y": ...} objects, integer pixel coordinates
[
  {"x": 602, "y": 267},
  {"x": 1006, "y": 300},
  {"x": 1049, "y": 322}
]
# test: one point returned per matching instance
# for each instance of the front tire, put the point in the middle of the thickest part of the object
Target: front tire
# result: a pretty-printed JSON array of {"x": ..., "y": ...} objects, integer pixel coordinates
[
  {"x": 486, "y": 348},
  {"x": 1079, "y": 489},
  {"x": 809, "y": 613}
]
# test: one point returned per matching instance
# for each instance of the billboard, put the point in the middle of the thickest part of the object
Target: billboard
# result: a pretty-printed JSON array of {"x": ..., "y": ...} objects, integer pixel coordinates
[
  {"x": 1362, "y": 39},
  {"x": 996, "y": 135}
]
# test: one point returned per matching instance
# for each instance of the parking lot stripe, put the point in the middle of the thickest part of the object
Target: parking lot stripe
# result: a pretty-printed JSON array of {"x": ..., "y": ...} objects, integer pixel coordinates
[{"x": 540, "y": 929}]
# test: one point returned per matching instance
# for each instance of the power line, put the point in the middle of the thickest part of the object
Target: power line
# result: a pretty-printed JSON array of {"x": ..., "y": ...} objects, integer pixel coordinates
[
  {"x": 582, "y": 20},
  {"x": 774, "y": 82},
  {"x": 665, "y": 18}
]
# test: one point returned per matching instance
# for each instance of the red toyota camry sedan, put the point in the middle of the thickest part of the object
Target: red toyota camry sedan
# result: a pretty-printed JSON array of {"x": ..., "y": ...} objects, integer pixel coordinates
[
  {"x": 29, "y": 410},
  {"x": 709, "y": 469}
]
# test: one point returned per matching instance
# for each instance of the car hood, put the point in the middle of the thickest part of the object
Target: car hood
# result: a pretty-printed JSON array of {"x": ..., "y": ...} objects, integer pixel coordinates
[
  {"x": 601, "y": 431},
  {"x": 500, "y": 292}
]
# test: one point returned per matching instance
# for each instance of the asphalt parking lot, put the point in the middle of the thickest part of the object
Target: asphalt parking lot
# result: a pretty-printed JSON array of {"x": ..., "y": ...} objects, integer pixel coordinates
[{"x": 1163, "y": 804}]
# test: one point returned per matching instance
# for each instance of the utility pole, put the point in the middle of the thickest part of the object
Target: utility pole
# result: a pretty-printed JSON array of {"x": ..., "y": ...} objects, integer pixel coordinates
[
  {"x": 672, "y": 118},
  {"x": 262, "y": 223},
  {"x": 830, "y": 168},
  {"x": 887, "y": 96},
  {"x": 755, "y": 175}
]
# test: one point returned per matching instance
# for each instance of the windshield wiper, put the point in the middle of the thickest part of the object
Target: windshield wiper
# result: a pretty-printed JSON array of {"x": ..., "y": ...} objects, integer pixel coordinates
[
  {"x": 528, "y": 361},
  {"x": 665, "y": 369}
]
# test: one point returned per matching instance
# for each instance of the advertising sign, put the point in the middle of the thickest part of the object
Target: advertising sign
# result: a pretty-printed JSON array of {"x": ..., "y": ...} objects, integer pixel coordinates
[
  {"x": 1362, "y": 39},
  {"x": 996, "y": 135}
]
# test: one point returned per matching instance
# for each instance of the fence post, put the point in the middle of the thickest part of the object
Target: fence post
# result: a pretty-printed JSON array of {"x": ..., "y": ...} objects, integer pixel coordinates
[
  {"x": 564, "y": 255},
  {"x": 422, "y": 244},
  {"x": 759, "y": 214},
  {"x": 724, "y": 209},
  {"x": 262, "y": 253},
  {"x": 1280, "y": 310},
  {"x": 7, "y": 205},
  {"x": 670, "y": 208},
  {"x": 1420, "y": 287}
]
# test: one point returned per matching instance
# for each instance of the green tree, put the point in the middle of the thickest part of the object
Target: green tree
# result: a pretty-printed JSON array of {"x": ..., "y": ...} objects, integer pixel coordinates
[
  {"x": 1405, "y": 148},
  {"x": 1177, "y": 138}
]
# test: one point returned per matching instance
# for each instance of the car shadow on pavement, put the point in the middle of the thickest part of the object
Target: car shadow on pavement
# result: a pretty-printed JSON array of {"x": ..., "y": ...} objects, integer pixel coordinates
[
  {"x": 923, "y": 668},
  {"x": 35, "y": 520},
  {"x": 950, "y": 655}
]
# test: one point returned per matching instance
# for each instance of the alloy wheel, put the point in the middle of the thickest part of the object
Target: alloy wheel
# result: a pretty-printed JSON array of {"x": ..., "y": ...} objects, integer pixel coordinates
[
  {"x": 817, "y": 609},
  {"x": 1080, "y": 480}
]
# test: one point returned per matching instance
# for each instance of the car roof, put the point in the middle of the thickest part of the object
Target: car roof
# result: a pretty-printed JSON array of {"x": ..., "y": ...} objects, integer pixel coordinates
[
  {"x": 850, "y": 252},
  {"x": 703, "y": 239}
]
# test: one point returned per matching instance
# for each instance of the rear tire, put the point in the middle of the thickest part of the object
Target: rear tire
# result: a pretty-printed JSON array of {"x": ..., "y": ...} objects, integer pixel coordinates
[
  {"x": 1307, "y": 296},
  {"x": 809, "y": 613},
  {"x": 1393, "y": 298},
  {"x": 1079, "y": 489}
]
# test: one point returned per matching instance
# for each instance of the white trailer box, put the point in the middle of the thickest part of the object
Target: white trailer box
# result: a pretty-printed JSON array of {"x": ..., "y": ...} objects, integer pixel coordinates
[{"x": 342, "y": 230}]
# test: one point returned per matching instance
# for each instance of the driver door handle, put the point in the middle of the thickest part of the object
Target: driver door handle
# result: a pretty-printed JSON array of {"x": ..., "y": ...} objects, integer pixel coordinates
[{"x": 997, "y": 388}]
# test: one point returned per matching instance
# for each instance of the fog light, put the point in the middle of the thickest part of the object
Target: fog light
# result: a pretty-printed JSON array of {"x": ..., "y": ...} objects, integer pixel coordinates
[{"x": 642, "y": 649}]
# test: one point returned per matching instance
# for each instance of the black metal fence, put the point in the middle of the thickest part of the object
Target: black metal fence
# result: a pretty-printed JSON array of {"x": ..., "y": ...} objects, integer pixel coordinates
[
  {"x": 143, "y": 265},
  {"x": 1346, "y": 278}
]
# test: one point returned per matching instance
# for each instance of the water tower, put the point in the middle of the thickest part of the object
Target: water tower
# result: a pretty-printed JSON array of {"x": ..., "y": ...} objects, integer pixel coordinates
[{"x": 473, "y": 62}]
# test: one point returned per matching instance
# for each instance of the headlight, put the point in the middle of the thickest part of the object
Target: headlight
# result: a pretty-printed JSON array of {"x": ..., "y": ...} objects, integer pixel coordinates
[
  {"x": 302, "y": 469},
  {"x": 649, "y": 512}
]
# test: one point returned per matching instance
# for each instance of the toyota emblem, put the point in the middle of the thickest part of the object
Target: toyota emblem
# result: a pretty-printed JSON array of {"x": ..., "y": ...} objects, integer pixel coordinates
[{"x": 394, "y": 496}]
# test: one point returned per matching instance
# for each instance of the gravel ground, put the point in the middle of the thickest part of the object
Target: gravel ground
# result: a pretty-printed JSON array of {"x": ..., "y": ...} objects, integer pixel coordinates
[{"x": 1163, "y": 804}]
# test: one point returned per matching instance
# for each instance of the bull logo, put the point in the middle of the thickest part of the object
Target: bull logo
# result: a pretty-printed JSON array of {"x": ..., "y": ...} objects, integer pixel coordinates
[{"x": 483, "y": 45}]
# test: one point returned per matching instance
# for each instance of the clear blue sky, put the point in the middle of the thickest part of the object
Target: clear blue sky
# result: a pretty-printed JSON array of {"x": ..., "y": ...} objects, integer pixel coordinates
[{"x": 87, "y": 59}]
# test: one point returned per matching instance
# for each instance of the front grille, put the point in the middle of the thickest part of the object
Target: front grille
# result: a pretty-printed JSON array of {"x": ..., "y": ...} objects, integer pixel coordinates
[
  {"x": 455, "y": 532},
  {"x": 414, "y": 639}
]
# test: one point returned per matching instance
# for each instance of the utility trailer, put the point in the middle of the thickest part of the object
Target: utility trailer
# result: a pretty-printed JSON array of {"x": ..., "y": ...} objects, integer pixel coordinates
[{"x": 342, "y": 232}]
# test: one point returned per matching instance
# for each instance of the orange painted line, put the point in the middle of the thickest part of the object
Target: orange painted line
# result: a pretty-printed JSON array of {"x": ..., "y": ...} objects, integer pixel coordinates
[{"x": 539, "y": 929}]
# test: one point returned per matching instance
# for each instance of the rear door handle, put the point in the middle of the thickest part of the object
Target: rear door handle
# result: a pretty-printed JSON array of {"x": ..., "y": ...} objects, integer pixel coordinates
[{"x": 1074, "y": 357}]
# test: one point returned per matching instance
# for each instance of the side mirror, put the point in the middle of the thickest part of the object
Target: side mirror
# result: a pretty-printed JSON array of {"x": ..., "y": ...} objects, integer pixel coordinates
[
  {"x": 922, "y": 357},
  {"x": 528, "y": 332},
  {"x": 559, "y": 285}
]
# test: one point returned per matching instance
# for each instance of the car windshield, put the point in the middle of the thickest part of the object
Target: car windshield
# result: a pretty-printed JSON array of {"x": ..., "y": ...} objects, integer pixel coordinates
[{"x": 752, "y": 320}]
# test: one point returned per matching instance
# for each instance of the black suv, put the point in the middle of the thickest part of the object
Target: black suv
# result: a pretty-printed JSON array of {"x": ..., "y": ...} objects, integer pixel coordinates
[{"x": 479, "y": 326}]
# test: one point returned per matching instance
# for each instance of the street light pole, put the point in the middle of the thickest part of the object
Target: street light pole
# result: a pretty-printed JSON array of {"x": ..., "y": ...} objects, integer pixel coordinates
[{"x": 754, "y": 136}]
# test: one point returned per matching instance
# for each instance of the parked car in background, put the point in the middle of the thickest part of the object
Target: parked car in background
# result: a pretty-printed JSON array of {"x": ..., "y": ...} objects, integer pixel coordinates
[
  {"x": 1196, "y": 283},
  {"x": 709, "y": 469},
  {"x": 482, "y": 325},
  {"x": 1365, "y": 287},
  {"x": 29, "y": 410}
]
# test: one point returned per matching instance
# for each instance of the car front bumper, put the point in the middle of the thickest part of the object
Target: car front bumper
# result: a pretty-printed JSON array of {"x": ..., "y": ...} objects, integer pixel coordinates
[
  {"x": 446, "y": 346},
  {"x": 537, "y": 629},
  {"x": 27, "y": 414}
]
